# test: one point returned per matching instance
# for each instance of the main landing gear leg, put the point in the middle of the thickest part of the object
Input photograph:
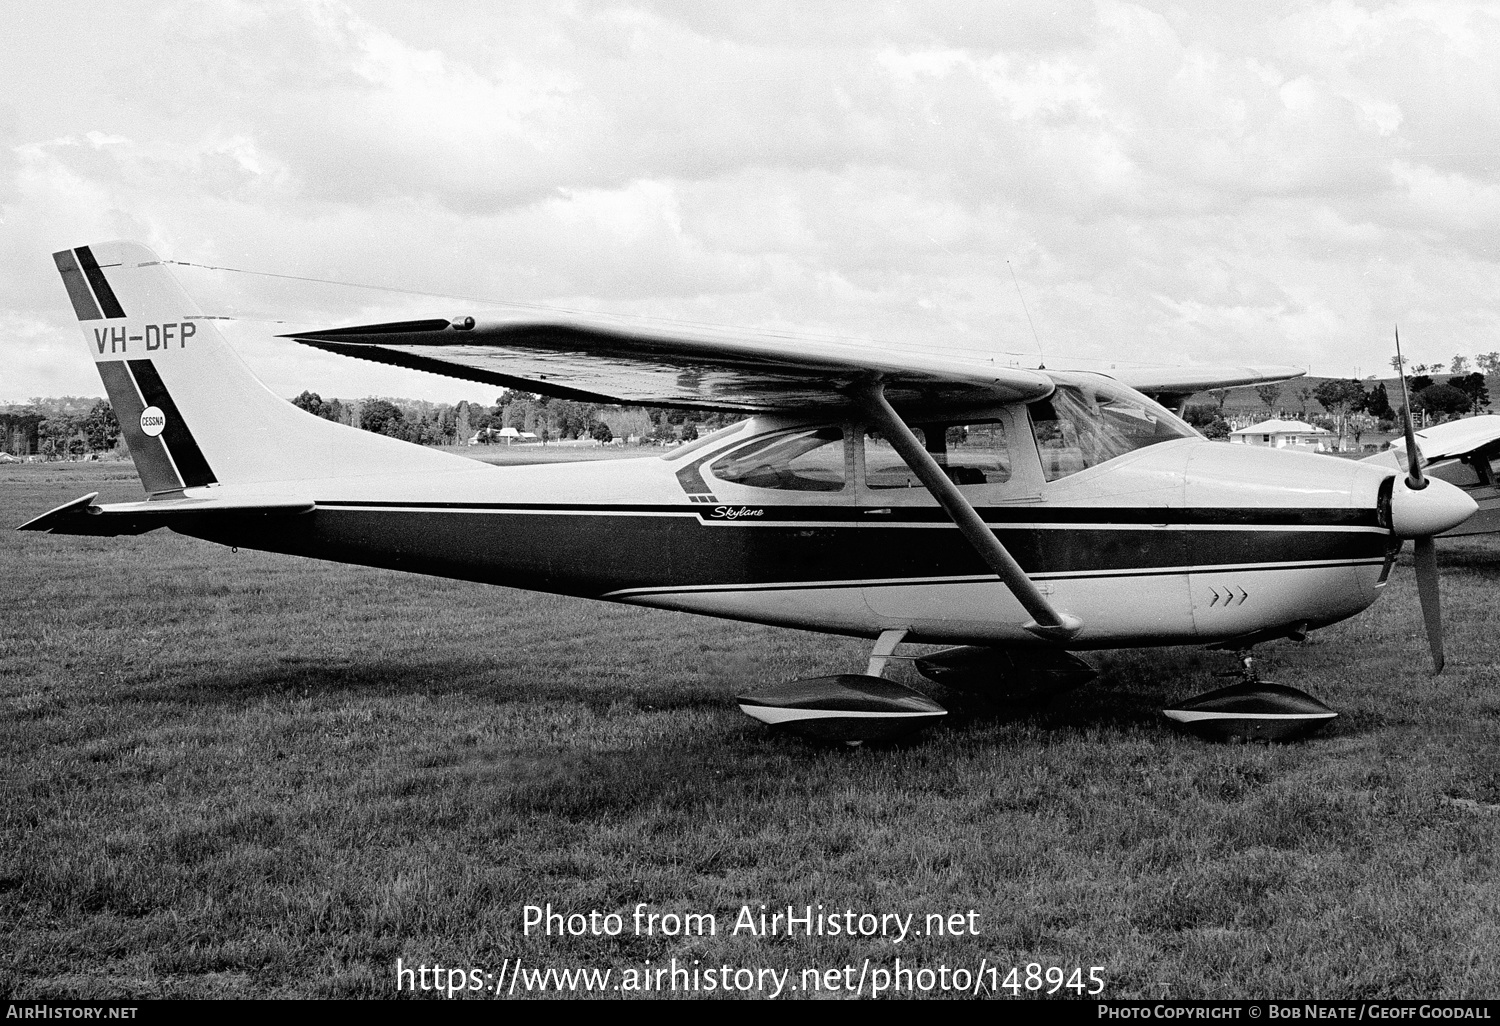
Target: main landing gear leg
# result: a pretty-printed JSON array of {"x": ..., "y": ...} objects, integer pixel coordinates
[{"x": 881, "y": 653}]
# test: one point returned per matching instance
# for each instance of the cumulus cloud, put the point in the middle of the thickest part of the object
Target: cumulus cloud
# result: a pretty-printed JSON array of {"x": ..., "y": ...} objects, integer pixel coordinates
[{"x": 1175, "y": 183}]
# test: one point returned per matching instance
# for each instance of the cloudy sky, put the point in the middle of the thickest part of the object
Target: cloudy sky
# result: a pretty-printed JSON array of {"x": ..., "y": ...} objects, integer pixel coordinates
[{"x": 1167, "y": 182}]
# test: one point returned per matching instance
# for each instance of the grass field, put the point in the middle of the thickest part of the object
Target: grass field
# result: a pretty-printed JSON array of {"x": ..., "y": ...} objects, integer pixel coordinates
[{"x": 246, "y": 775}]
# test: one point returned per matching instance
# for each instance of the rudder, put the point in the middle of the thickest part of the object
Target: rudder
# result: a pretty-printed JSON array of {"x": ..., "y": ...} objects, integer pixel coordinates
[{"x": 192, "y": 412}]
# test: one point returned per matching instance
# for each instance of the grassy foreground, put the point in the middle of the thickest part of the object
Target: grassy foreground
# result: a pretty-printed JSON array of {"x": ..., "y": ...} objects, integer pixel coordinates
[{"x": 237, "y": 774}]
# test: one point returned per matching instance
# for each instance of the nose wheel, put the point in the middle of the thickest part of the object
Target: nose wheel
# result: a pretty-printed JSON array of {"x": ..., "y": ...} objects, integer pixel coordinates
[{"x": 1251, "y": 710}]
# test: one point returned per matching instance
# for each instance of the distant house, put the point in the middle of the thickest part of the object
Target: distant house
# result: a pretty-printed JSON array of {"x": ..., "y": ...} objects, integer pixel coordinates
[
  {"x": 508, "y": 435},
  {"x": 1283, "y": 434}
]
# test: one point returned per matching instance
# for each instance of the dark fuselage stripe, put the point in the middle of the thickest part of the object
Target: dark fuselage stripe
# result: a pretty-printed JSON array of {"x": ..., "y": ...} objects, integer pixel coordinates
[
  {"x": 617, "y": 552},
  {"x": 1024, "y": 516}
]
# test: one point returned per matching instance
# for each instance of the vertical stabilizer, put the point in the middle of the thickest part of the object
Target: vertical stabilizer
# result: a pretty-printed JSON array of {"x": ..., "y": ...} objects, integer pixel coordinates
[{"x": 192, "y": 412}]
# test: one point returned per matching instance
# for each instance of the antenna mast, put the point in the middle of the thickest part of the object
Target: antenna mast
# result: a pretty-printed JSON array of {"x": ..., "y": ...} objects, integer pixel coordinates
[{"x": 1042, "y": 362}]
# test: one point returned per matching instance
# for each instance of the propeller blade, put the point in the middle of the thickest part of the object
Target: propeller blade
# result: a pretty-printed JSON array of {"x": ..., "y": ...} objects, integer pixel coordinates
[
  {"x": 1423, "y": 521},
  {"x": 1427, "y": 591},
  {"x": 1414, "y": 479}
]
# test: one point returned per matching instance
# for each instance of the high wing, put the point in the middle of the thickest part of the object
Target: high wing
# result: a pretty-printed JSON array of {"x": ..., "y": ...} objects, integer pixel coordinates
[
  {"x": 605, "y": 360},
  {"x": 1171, "y": 386}
]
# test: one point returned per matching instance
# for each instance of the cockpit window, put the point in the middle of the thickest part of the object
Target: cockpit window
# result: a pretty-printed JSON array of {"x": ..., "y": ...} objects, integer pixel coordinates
[
  {"x": 1087, "y": 421},
  {"x": 804, "y": 460}
]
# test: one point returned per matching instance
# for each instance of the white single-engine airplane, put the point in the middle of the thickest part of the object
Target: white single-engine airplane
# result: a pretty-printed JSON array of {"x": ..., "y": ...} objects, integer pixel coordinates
[
  {"x": 1462, "y": 452},
  {"x": 1023, "y": 513}
]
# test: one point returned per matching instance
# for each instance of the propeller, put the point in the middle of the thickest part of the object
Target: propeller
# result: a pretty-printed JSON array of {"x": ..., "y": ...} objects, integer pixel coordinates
[{"x": 1419, "y": 511}]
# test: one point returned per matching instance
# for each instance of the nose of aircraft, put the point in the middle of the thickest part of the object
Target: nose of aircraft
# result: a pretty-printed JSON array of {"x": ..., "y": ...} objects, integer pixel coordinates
[{"x": 1439, "y": 507}]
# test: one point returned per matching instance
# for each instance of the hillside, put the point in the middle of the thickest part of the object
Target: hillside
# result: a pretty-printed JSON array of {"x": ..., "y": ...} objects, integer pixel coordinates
[{"x": 1244, "y": 404}]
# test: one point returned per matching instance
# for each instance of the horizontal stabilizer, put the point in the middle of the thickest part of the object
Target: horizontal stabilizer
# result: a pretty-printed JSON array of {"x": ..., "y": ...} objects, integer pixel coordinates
[{"x": 81, "y": 516}]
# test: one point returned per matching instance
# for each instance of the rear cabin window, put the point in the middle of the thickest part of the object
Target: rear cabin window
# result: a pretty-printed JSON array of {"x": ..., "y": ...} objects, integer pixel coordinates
[
  {"x": 1084, "y": 424},
  {"x": 805, "y": 460},
  {"x": 970, "y": 454},
  {"x": 705, "y": 441}
]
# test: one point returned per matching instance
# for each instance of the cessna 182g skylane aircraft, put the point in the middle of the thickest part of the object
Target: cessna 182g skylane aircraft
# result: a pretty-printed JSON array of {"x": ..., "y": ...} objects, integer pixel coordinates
[{"x": 1022, "y": 513}]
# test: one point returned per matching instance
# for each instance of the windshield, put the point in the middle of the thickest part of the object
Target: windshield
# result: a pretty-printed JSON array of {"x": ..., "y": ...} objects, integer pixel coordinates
[{"x": 1089, "y": 420}]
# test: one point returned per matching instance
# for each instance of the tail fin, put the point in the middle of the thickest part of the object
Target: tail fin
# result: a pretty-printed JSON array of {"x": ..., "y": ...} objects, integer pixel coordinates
[{"x": 192, "y": 412}]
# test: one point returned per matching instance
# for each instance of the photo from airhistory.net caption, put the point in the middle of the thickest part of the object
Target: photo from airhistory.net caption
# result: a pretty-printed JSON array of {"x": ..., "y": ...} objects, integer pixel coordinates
[{"x": 690, "y": 975}]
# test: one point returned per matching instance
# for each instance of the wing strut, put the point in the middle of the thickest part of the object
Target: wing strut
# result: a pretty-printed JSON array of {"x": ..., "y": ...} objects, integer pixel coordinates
[{"x": 1046, "y": 621}]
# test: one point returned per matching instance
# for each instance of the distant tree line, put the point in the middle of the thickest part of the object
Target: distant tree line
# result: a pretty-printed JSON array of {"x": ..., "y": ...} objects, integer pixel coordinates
[
  {"x": 69, "y": 426},
  {"x": 1351, "y": 408},
  {"x": 544, "y": 417},
  {"x": 1432, "y": 400},
  {"x": 1488, "y": 363},
  {"x": 74, "y": 426}
]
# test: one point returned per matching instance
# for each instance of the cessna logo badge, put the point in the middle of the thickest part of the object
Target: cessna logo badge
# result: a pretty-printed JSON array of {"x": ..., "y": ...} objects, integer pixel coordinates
[{"x": 153, "y": 421}]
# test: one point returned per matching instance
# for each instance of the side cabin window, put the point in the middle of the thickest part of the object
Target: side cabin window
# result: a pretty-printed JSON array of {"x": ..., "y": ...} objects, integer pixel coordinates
[
  {"x": 1085, "y": 423},
  {"x": 802, "y": 460},
  {"x": 970, "y": 454}
]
